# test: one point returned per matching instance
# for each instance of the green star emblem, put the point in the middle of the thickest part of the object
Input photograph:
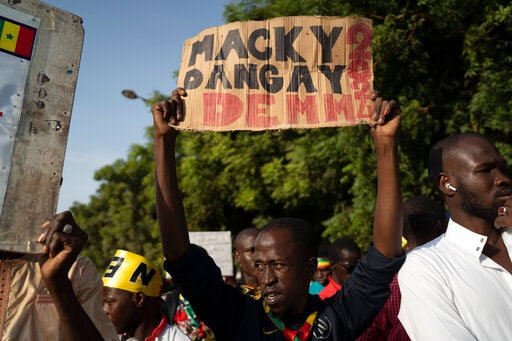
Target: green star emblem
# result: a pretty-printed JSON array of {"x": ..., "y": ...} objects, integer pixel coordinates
[{"x": 9, "y": 36}]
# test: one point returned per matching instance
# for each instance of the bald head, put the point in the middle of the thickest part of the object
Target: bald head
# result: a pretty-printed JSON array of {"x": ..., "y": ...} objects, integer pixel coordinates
[
  {"x": 249, "y": 233},
  {"x": 244, "y": 253},
  {"x": 472, "y": 176},
  {"x": 443, "y": 155}
]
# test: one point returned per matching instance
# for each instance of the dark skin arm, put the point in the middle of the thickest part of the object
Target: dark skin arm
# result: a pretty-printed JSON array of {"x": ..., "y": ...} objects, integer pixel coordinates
[
  {"x": 388, "y": 218},
  {"x": 59, "y": 253},
  {"x": 169, "y": 206}
]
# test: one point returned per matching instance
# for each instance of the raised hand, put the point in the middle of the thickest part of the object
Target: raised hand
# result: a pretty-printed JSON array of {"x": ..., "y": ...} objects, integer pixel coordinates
[
  {"x": 386, "y": 116},
  {"x": 169, "y": 113},
  {"x": 63, "y": 241}
]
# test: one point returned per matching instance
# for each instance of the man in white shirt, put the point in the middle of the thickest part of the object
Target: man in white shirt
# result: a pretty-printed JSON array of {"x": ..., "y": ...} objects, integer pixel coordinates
[{"x": 459, "y": 286}]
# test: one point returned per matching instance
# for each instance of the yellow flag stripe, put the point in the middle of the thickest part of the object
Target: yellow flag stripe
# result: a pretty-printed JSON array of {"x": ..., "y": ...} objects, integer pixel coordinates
[{"x": 9, "y": 36}]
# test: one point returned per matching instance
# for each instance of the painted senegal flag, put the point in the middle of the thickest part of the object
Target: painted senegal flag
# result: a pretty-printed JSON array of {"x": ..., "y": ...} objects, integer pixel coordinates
[{"x": 16, "y": 38}]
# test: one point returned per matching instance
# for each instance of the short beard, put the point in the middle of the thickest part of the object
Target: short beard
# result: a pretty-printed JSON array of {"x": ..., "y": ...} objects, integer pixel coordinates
[{"x": 471, "y": 205}]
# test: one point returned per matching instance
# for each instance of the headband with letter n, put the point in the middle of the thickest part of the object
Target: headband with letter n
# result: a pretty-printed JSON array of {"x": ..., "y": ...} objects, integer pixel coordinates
[{"x": 134, "y": 273}]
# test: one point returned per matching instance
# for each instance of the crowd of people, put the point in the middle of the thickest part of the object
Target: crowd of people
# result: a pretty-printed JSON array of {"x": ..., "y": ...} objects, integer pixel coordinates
[{"x": 450, "y": 281}]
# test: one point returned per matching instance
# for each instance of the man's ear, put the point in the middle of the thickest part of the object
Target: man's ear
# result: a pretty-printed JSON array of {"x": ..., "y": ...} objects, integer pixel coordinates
[
  {"x": 138, "y": 298},
  {"x": 445, "y": 186},
  {"x": 311, "y": 265}
]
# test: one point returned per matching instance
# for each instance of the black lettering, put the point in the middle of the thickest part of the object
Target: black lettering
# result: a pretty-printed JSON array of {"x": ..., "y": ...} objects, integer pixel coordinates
[
  {"x": 142, "y": 272},
  {"x": 193, "y": 79},
  {"x": 284, "y": 44},
  {"x": 112, "y": 268},
  {"x": 326, "y": 41},
  {"x": 301, "y": 75},
  {"x": 334, "y": 77},
  {"x": 249, "y": 77},
  {"x": 271, "y": 84},
  {"x": 204, "y": 46},
  {"x": 218, "y": 75},
  {"x": 266, "y": 54},
  {"x": 233, "y": 42}
]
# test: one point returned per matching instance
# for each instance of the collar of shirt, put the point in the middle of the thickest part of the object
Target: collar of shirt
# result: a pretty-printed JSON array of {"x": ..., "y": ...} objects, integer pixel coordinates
[{"x": 471, "y": 242}]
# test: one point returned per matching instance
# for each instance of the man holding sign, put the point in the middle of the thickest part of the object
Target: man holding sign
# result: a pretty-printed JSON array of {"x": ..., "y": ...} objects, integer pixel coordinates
[{"x": 285, "y": 253}]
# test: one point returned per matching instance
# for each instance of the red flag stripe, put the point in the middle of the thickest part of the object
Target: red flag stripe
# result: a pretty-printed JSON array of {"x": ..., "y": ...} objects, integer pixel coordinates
[{"x": 25, "y": 42}]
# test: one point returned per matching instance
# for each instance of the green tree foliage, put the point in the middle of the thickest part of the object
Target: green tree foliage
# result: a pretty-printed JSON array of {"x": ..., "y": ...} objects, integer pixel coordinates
[{"x": 449, "y": 62}]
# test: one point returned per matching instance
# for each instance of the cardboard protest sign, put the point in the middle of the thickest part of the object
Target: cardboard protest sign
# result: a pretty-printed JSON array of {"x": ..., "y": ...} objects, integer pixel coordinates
[
  {"x": 288, "y": 72},
  {"x": 40, "y": 49}
]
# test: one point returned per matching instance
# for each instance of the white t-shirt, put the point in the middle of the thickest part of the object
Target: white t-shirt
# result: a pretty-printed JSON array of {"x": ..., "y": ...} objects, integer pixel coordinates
[
  {"x": 451, "y": 291},
  {"x": 172, "y": 333}
]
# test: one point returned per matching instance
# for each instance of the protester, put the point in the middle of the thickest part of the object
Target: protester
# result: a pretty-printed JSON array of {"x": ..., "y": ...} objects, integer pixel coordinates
[
  {"x": 344, "y": 254},
  {"x": 131, "y": 299},
  {"x": 244, "y": 257},
  {"x": 322, "y": 273},
  {"x": 424, "y": 220},
  {"x": 55, "y": 295},
  {"x": 458, "y": 287},
  {"x": 285, "y": 253}
]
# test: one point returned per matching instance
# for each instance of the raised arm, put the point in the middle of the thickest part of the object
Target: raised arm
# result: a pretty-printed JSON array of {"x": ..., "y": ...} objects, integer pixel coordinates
[
  {"x": 64, "y": 240},
  {"x": 388, "y": 218},
  {"x": 169, "y": 206}
]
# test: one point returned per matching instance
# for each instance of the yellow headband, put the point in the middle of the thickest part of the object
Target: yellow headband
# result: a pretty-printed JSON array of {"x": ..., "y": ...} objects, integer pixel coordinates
[
  {"x": 404, "y": 242},
  {"x": 131, "y": 272}
]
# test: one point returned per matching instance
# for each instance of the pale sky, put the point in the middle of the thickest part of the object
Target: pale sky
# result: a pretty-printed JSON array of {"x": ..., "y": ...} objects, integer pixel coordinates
[{"x": 128, "y": 45}]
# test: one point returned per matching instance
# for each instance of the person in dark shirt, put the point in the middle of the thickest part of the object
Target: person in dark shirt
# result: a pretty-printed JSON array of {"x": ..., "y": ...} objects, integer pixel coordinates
[{"x": 285, "y": 253}]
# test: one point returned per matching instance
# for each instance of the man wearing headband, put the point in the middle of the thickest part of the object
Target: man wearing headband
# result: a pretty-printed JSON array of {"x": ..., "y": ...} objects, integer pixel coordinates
[
  {"x": 131, "y": 299},
  {"x": 322, "y": 273},
  {"x": 344, "y": 254}
]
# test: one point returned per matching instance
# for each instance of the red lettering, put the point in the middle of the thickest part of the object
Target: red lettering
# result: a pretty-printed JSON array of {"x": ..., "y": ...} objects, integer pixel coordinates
[
  {"x": 333, "y": 108},
  {"x": 221, "y": 109},
  {"x": 358, "y": 68},
  {"x": 258, "y": 107},
  {"x": 364, "y": 110},
  {"x": 361, "y": 75},
  {"x": 294, "y": 107}
]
